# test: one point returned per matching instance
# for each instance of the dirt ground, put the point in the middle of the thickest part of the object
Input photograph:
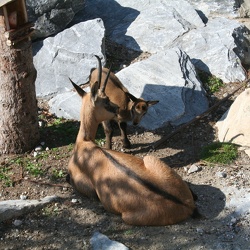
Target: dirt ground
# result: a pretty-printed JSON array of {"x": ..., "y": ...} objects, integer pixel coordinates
[{"x": 70, "y": 222}]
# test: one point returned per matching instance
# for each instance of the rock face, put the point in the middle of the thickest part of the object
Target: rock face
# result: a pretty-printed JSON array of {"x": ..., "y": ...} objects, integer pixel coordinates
[
  {"x": 172, "y": 31},
  {"x": 169, "y": 77},
  {"x": 51, "y": 17},
  {"x": 213, "y": 49},
  {"x": 215, "y": 8},
  {"x": 234, "y": 124},
  {"x": 69, "y": 54},
  {"x": 217, "y": 46}
]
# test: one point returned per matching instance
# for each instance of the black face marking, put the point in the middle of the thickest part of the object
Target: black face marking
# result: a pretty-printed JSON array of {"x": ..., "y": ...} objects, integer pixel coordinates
[{"x": 150, "y": 186}]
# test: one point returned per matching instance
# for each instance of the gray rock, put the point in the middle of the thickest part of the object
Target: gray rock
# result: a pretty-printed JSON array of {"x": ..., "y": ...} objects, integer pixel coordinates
[
  {"x": 69, "y": 54},
  {"x": 213, "y": 48},
  {"x": 156, "y": 32},
  {"x": 67, "y": 105},
  {"x": 157, "y": 25},
  {"x": 221, "y": 174},
  {"x": 100, "y": 241},
  {"x": 13, "y": 208},
  {"x": 51, "y": 17},
  {"x": 143, "y": 25},
  {"x": 167, "y": 76},
  {"x": 194, "y": 168},
  {"x": 215, "y": 8}
]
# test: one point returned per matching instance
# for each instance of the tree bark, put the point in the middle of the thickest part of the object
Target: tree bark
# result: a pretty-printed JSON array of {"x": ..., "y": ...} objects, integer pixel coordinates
[{"x": 19, "y": 130}]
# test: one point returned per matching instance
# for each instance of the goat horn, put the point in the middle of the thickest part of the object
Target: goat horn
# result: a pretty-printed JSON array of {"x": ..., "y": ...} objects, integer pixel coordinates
[
  {"x": 106, "y": 79},
  {"x": 99, "y": 71}
]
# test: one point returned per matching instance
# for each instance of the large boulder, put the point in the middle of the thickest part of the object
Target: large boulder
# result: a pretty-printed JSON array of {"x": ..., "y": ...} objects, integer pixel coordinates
[
  {"x": 51, "y": 17},
  {"x": 218, "y": 48},
  {"x": 168, "y": 76},
  {"x": 143, "y": 25},
  {"x": 69, "y": 54},
  {"x": 234, "y": 124}
]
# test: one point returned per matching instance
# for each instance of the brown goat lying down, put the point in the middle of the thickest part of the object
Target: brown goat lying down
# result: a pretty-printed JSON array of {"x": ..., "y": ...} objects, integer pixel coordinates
[
  {"x": 130, "y": 107},
  {"x": 143, "y": 191}
]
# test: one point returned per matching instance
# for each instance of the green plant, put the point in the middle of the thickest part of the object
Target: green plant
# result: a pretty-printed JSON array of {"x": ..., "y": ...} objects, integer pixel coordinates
[
  {"x": 57, "y": 121},
  {"x": 34, "y": 168},
  {"x": 57, "y": 174},
  {"x": 50, "y": 211},
  {"x": 214, "y": 84},
  {"x": 218, "y": 152},
  {"x": 5, "y": 176},
  {"x": 211, "y": 83}
]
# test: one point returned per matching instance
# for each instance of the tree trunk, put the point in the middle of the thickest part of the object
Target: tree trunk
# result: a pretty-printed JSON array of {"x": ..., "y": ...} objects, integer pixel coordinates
[{"x": 19, "y": 130}]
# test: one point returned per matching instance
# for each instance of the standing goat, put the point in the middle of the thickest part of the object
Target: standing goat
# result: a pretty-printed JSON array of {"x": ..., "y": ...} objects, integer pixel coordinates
[
  {"x": 130, "y": 107},
  {"x": 143, "y": 191}
]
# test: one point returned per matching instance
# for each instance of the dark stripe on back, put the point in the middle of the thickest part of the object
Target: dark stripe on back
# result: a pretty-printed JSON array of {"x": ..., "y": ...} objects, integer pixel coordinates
[{"x": 149, "y": 185}]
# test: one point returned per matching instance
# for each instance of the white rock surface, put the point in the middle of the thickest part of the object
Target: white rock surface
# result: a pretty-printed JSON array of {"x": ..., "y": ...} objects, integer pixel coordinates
[
  {"x": 69, "y": 54},
  {"x": 100, "y": 241},
  {"x": 234, "y": 124},
  {"x": 212, "y": 49},
  {"x": 167, "y": 76},
  {"x": 13, "y": 208}
]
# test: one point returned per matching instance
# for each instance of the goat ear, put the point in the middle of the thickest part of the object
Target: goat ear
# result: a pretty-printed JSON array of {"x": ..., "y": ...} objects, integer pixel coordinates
[
  {"x": 130, "y": 96},
  {"x": 79, "y": 90},
  {"x": 151, "y": 103}
]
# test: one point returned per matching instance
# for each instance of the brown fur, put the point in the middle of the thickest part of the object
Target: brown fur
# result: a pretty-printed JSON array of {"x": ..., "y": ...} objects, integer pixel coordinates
[
  {"x": 143, "y": 191},
  {"x": 130, "y": 107}
]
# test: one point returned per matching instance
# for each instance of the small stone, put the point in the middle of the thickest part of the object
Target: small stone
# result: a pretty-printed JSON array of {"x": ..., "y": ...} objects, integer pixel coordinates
[
  {"x": 74, "y": 200},
  {"x": 17, "y": 223},
  {"x": 221, "y": 174},
  {"x": 41, "y": 124},
  {"x": 199, "y": 230},
  {"x": 233, "y": 220},
  {"x": 38, "y": 148},
  {"x": 47, "y": 149},
  {"x": 23, "y": 197},
  {"x": 35, "y": 154},
  {"x": 194, "y": 168}
]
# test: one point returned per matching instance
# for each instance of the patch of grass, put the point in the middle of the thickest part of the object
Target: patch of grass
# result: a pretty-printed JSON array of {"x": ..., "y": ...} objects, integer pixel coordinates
[
  {"x": 57, "y": 174},
  {"x": 129, "y": 232},
  {"x": 217, "y": 152},
  {"x": 50, "y": 211},
  {"x": 34, "y": 168},
  {"x": 5, "y": 176},
  {"x": 59, "y": 132},
  {"x": 211, "y": 83}
]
